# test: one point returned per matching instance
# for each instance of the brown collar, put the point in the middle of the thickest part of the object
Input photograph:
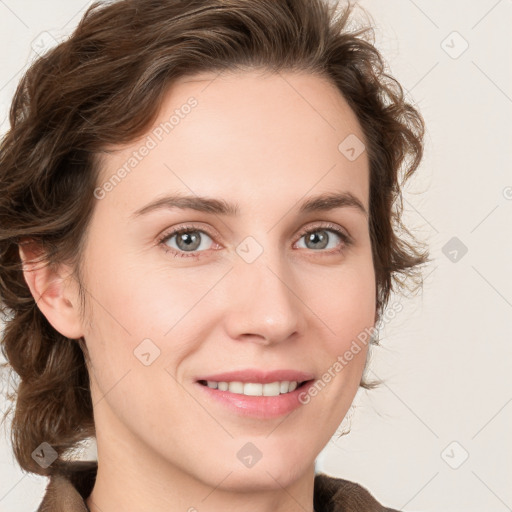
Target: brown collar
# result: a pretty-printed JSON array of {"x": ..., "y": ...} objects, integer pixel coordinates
[{"x": 68, "y": 490}]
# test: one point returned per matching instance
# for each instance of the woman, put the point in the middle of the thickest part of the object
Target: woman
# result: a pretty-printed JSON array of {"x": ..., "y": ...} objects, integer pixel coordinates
[{"x": 170, "y": 170}]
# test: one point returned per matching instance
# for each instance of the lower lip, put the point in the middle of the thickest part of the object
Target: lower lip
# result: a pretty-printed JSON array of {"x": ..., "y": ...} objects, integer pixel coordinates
[{"x": 258, "y": 406}]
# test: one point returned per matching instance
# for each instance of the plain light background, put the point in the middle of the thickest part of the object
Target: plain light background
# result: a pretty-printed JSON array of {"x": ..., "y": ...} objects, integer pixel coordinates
[{"x": 434, "y": 437}]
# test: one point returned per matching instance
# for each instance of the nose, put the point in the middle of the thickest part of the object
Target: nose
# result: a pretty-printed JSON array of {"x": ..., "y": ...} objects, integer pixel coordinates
[{"x": 263, "y": 306}]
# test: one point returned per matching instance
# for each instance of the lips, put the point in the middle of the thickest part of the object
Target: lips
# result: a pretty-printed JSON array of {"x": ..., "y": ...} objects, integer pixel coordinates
[
  {"x": 240, "y": 391},
  {"x": 259, "y": 376}
]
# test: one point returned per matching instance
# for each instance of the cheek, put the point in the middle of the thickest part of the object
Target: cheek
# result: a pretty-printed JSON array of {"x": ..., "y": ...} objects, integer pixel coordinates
[
  {"x": 137, "y": 301},
  {"x": 146, "y": 315},
  {"x": 143, "y": 299},
  {"x": 347, "y": 305}
]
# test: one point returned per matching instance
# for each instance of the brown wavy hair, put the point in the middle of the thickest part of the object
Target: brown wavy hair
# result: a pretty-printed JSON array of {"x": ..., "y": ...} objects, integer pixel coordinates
[{"x": 103, "y": 86}]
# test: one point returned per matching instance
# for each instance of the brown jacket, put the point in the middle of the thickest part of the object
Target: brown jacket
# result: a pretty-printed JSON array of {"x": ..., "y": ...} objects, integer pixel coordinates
[{"x": 67, "y": 491}]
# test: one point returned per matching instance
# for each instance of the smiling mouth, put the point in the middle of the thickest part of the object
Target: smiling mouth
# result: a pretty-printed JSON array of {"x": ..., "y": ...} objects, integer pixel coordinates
[{"x": 255, "y": 388}]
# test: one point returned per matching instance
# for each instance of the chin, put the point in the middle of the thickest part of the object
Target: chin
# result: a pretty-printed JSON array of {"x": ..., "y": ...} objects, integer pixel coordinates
[
  {"x": 279, "y": 466},
  {"x": 272, "y": 476}
]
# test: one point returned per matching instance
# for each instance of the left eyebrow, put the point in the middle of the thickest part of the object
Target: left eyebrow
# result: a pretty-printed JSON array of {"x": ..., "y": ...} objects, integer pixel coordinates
[
  {"x": 331, "y": 201},
  {"x": 323, "y": 202}
]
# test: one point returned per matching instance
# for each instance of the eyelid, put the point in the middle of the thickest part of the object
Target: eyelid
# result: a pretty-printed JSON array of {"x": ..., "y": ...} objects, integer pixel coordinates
[
  {"x": 167, "y": 234},
  {"x": 340, "y": 231}
]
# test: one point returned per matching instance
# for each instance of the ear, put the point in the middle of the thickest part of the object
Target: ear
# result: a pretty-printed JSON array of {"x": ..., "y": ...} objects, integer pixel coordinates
[{"x": 54, "y": 290}]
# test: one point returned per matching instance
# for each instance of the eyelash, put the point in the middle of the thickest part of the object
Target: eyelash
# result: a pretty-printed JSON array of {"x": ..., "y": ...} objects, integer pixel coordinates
[{"x": 346, "y": 239}]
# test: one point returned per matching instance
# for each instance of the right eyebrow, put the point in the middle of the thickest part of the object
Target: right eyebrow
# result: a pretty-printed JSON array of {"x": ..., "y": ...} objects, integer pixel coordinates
[{"x": 322, "y": 202}]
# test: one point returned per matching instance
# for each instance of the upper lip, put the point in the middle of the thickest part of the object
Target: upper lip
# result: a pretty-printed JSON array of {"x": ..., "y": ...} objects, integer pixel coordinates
[{"x": 259, "y": 376}]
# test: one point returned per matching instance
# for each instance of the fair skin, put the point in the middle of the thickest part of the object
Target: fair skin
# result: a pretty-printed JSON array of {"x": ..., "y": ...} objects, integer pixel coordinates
[{"x": 163, "y": 444}]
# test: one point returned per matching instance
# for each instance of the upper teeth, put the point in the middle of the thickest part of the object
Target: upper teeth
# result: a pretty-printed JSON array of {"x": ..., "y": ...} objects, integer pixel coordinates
[{"x": 255, "y": 388}]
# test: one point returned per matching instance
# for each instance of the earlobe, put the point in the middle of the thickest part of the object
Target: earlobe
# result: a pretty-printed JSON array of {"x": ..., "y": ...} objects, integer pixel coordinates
[{"x": 53, "y": 290}]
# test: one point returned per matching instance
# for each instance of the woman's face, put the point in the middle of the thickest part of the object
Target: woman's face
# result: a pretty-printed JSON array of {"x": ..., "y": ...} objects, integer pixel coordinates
[{"x": 246, "y": 291}]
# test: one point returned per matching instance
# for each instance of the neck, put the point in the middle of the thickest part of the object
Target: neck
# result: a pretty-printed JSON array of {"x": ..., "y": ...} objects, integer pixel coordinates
[
  {"x": 132, "y": 489},
  {"x": 132, "y": 477}
]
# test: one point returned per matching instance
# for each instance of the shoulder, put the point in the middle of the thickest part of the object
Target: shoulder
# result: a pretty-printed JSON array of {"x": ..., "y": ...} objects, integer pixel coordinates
[{"x": 337, "y": 495}]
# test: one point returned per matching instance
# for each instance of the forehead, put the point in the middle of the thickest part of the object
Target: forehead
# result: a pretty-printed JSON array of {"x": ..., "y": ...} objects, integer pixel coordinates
[{"x": 253, "y": 133}]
